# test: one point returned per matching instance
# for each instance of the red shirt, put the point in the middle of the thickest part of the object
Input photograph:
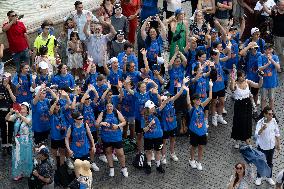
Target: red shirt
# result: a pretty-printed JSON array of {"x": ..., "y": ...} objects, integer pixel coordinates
[{"x": 16, "y": 38}]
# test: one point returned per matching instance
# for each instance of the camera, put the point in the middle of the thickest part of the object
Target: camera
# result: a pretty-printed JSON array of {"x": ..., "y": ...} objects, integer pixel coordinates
[{"x": 260, "y": 73}]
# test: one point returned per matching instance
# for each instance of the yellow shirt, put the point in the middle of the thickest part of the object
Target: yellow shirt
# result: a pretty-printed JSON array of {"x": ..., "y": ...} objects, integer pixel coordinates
[{"x": 39, "y": 42}]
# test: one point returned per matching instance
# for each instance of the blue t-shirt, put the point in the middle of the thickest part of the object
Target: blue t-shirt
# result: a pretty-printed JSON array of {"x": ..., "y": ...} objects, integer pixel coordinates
[
  {"x": 91, "y": 79},
  {"x": 23, "y": 93},
  {"x": 40, "y": 79},
  {"x": 191, "y": 58},
  {"x": 89, "y": 117},
  {"x": 197, "y": 122},
  {"x": 58, "y": 127},
  {"x": 252, "y": 66},
  {"x": 108, "y": 134},
  {"x": 168, "y": 117},
  {"x": 80, "y": 144},
  {"x": 176, "y": 77},
  {"x": 154, "y": 48},
  {"x": 140, "y": 100},
  {"x": 127, "y": 105},
  {"x": 114, "y": 100},
  {"x": 64, "y": 81},
  {"x": 261, "y": 45},
  {"x": 201, "y": 88},
  {"x": 149, "y": 8},
  {"x": 40, "y": 115},
  {"x": 66, "y": 113},
  {"x": 219, "y": 84},
  {"x": 270, "y": 78},
  {"x": 114, "y": 77},
  {"x": 155, "y": 130},
  {"x": 134, "y": 76},
  {"x": 130, "y": 58}
]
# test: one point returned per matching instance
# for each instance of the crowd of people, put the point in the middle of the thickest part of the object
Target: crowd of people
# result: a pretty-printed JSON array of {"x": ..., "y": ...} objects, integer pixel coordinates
[{"x": 124, "y": 71}]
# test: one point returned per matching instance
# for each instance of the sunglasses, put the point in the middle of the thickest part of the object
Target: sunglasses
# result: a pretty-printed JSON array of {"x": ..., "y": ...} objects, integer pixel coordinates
[
  {"x": 14, "y": 15},
  {"x": 239, "y": 168},
  {"x": 80, "y": 118}
]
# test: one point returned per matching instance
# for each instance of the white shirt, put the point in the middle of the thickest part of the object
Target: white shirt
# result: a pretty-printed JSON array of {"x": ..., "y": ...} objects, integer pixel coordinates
[
  {"x": 266, "y": 140},
  {"x": 269, "y": 4},
  {"x": 81, "y": 20},
  {"x": 173, "y": 5}
]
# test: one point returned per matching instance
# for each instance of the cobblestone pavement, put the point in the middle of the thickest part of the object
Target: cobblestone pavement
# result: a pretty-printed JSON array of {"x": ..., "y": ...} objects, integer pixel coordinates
[{"x": 219, "y": 159}]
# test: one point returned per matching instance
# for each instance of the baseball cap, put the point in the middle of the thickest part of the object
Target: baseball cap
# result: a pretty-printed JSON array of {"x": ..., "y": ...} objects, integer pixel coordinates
[
  {"x": 178, "y": 11},
  {"x": 213, "y": 30},
  {"x": 44, "y": 151},
  {"x": 113, "y": 59},
  {"x": 149, "y": 104},
  {"x": 160, "y": 60},
  {"x": 232, "y": 28},
  {"x": 43, "y": 65},
  {"x": 26, "y": 104},
  {"x": 253, "y": 30},
  {"x": 120, "y": 32},
  {"x": 116, "y": 6}
]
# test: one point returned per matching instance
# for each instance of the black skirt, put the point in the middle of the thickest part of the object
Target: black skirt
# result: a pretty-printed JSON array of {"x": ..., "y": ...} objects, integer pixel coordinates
[{"x": 242, "y": 120}]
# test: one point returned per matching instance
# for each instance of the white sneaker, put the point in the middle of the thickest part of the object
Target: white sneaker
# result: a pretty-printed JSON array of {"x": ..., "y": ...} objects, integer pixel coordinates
[
  {"x": 153, "y": 156},
  {"x": 111, "y": 172},
  {"x": 199, "y": 166},
  {"x": 95, "y": 167},
  {"x": 193, "y": 164},
  {"x": 221, "y": 120},
  {"x": 69, "y": 163},
  {"x": 237, "y": 146},
  {"x": 103, "y": 158},
  {"x": 114, "y": 157},
  {"x": 224, "y": 111},
  {"x": 164, "y": 160},
  {"x": 124, "y": 172},
  {"x": 258, "y": 101},
  {"x": 270, "y": 181},
  {"x": 214, "y": 121},
  {"x": 174, "y": 157},
  {"x": 258, "y": 181}
]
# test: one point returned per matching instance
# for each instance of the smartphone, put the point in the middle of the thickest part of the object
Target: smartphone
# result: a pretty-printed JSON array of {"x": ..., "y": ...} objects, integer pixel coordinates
[
  {"x": 16, "y": 107},
  {"x": 21, "y": 16}
]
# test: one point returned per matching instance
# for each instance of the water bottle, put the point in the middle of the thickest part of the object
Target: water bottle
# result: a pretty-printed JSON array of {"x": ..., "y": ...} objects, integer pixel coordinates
[{"x": 1, "y": 70}]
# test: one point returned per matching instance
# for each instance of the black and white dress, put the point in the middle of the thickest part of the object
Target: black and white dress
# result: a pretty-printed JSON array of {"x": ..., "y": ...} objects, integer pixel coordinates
[{"x": 242, "y": 120}]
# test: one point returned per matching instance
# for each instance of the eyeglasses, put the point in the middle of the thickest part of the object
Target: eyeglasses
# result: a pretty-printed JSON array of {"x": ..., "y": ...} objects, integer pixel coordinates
[
  {"x": 80, "y": 118},
  {"x": 239, "y": 168},
  {"x": 13, "y": 15}
]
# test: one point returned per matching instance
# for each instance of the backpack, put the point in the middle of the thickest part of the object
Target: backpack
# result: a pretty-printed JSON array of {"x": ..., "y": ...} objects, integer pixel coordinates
[
  {"x": 62, "y": 176},
  {"x": 129, "y": 145},
  {"x": 140, "y": 161}
]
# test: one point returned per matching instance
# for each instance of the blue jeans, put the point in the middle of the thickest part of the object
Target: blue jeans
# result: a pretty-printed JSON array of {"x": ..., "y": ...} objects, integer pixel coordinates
[
  {"x": 269, "y": 157},
  {"x": 20, "y": 57}
]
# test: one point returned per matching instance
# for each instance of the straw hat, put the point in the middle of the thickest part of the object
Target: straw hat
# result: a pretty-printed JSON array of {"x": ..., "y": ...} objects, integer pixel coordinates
[{"x": 83, "y": 167}]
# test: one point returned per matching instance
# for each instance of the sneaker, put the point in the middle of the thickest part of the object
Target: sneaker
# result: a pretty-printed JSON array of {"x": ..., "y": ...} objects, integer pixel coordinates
[
  {"x": 153, "y": 156},
  {"x": 224, "y": 111},
  {"x": 174, "y": 157},
  {"x": 124, "y": 172},
  {"x": 95, "y": 167},
  {"x": 270, "y": 181},
  {"x": 160, "y": 169},
  {"x": 114, "y": 157},
  {"x": 69, "y": 163},
  {"x": 111, "y": 172},
  {"x": 206, "y": 123},
  {"x": 199, "y": 166},
  {"x": 258, "y": 101},
  {"x": 258, "y": 181},
  {"x": 164, "y": 160},
  {"x": 103, "y": 158},
  {"x": 237, "y": 146},
  {"x": 221, "y": 120},
  {"x": 214, "y": 121},
  {"x": 192, "y": 164},
  {"x": 148, "y": 169}
]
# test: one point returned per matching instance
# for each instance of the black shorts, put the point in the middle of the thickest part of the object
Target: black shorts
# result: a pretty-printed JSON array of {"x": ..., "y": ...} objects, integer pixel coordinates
[
  {"x": 41, "y": 137},
  {"x": 55, "y": 144},
  {"x": 196, "y": 140},
  {"x": 219, "y": 94},
  {"x": 254, "y": 91},
  {"x": 85, "y": 157},
  {"x": 138, "y": 128},
  {"x": 153, "y": 143},
  {"x": 95, "y": 136},
  {"x": 116, "y": 145},
  {"x": 171, "y": 133}
]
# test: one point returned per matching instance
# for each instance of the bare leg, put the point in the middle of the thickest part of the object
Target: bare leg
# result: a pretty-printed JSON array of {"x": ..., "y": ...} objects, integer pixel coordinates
[
  {"x": 121, "y": 157},
  {"x": 172, "y": 144},
  {"x": 192, "y": 153},
  {"x": 164, "y": 147},
  {"x": 109, "y": 156},
  {"x": 200, "y": 152}
]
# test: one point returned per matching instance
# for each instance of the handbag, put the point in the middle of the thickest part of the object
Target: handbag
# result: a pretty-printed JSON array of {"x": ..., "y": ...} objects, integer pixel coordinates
[{"x": 35, "y": 183}]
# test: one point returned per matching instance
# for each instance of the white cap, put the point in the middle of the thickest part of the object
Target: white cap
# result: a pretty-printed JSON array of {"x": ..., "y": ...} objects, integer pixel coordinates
[
  {"x": 113, "y": 59},
  {"x": 26, "y": 104},
  {"x": 253, "y": 30},
  {"x": 43, "y": 65},
  {"x": 149, "y": 104},
  {"x": 160, "y": 60},
  {"x": 37, "y": 89}
]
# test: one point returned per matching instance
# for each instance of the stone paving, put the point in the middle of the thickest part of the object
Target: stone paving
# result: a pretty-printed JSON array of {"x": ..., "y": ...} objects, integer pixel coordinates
[{"x": 219, "y": 160}]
